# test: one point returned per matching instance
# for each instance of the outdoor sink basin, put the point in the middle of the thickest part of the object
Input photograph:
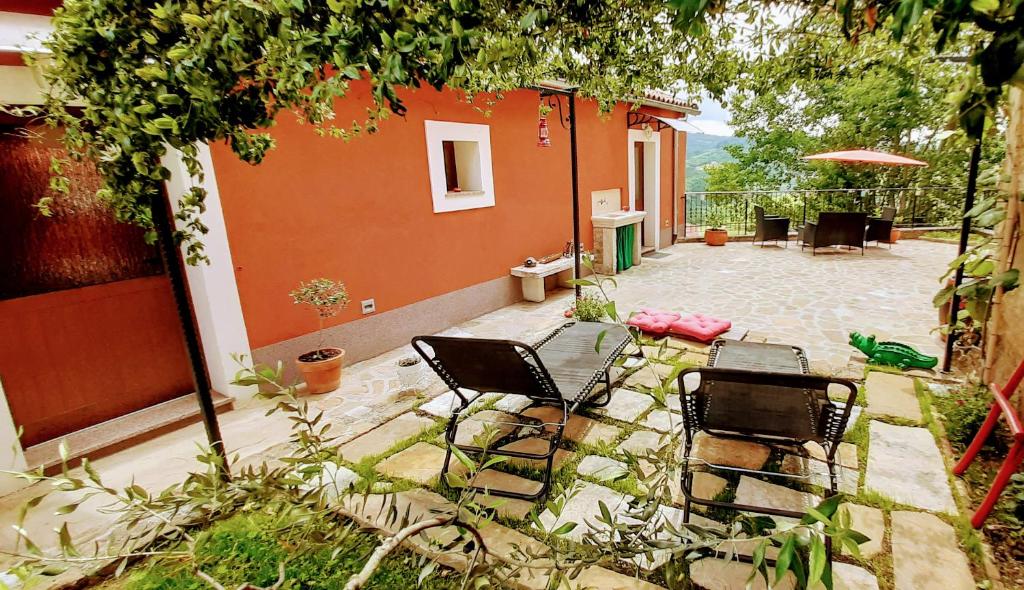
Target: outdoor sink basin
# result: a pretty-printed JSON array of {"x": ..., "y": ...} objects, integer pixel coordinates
[{"x": 614, "y": 219}]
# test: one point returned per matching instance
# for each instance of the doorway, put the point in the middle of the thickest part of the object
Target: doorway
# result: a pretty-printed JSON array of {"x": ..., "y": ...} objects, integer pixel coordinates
[
  {"x": 91, "y": 328},
  {"x": 644, "y": 154}
]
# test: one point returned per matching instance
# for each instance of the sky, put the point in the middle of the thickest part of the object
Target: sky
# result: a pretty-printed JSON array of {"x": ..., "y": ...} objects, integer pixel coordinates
[{"x": 713, "y": 119}]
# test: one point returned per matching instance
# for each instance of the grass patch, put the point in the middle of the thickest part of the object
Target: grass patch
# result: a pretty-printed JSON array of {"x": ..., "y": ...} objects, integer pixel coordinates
[{"x": 247, "y": 548}]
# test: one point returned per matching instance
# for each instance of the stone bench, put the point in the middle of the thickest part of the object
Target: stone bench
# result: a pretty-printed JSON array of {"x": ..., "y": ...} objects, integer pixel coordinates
[{"x": 533, "y": 277}]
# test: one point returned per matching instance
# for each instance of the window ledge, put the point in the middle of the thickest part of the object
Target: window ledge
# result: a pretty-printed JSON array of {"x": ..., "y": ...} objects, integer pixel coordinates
[{"x": 455, "y": 195}]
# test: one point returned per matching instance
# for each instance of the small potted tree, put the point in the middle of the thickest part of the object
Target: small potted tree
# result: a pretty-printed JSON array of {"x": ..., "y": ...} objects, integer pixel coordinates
[
  {"x": 321, "y": 368},
  {"x": 716, "y": 234}
]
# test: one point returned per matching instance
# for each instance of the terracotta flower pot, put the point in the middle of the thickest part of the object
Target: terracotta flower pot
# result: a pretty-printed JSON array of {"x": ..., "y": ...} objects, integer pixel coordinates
[
  {"x": 321, "y": 374},
  {"x": 716, "y": 237},
  {"x": 894, "y": 235}
]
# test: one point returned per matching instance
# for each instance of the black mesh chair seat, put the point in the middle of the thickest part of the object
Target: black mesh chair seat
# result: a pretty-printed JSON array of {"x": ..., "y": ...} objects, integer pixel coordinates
[
  {"x": 562, "y": 370},
  {"x": 781, "y": 407}
]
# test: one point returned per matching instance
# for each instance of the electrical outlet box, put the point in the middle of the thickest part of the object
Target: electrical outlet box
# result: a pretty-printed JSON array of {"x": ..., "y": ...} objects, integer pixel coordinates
[{"x": 369, "y": 306}]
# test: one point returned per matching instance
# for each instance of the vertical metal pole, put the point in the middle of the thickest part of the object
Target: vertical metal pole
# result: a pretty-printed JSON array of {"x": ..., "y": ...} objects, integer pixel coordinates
[
  {"x": 913, "y": 210},
  {"x": 575, "y": 188},
  {"x": 965, "y": 233},
  {"x": 190, "y": 332}
]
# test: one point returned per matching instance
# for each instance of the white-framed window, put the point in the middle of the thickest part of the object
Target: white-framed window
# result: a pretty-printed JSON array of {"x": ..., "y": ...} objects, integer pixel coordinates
[{"x": 459, "y": 158}]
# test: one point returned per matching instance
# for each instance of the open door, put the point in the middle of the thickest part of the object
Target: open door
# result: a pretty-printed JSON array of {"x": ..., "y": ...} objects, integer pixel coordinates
[{"x": 644, "y": 183}]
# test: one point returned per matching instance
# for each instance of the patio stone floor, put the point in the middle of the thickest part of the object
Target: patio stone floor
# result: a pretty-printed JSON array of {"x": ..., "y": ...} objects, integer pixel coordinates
[{"x": 777, "y": 294}]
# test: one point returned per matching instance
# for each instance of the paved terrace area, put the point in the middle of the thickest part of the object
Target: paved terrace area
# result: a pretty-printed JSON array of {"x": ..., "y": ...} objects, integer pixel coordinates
[{"x": 893, "y": 467}]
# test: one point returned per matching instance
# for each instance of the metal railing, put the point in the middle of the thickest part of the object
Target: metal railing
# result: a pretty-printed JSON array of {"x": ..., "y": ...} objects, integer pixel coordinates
[{"x": 734, "y": 210}]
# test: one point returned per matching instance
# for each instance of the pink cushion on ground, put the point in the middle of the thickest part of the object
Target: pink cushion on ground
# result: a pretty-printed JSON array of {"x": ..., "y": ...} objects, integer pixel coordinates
[
  {"x": 653, "y": 321},
  {"x": 698, "y": 326}
]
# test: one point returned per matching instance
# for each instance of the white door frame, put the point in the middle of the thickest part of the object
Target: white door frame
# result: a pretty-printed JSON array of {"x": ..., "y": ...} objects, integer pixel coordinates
[{"x": 652, "y": 181}]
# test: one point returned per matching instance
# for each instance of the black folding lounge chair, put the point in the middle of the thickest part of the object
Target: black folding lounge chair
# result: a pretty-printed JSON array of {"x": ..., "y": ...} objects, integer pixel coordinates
[
  {"x": 770, "y": 227},
  {"x": 561, "y": 371},
  {"x": 880, "y": 228},
  {"x": 781, "y": 410}
]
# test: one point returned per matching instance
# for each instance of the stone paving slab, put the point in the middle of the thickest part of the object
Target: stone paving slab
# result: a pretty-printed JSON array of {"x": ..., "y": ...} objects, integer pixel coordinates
[
  {"x": 513, "y": 403},
  {"x": 642, "y": 441},
  {"x": 601, "y": 468},
  {"x": 600, "y": 433},
  {"x": 477, "y": 424},
  {"x": 420, "y": 463},
  {"x": 577, "y": 429},
  {"x": 646, "y": 377},
  {"x": 869, "y": 521},
  {"x": 490, "y": 479},
  {"x": 583, "y": 508},
  {"x": 382, "y": 438},
  {"x": 729, "y": 452},
  {"x": 626, "y": 405},
  {"x": 817, "y": 469},
  {"x": 663, "y": 421},
  {"x": 537, "y": 446},
  {"x": 756, "y": 492},
  {"x": 892, "y": 395},
  {"x": 442, "y": 405},
  {"x": 905, "y": 465},
  {"x": 718, "y": 574},
  {"x": 925, "y": 554},
  {"x": 334, "y": 479},
  {"x": 850, "y": 577}
]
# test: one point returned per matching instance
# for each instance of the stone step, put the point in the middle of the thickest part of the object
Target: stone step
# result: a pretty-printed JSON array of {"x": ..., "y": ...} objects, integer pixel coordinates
[
  {"x": 871, "y": 523},
  {"x": 892, "y": 395},
  {"x": 925, "y": 554},
  {"x": 906, "y": 466}
]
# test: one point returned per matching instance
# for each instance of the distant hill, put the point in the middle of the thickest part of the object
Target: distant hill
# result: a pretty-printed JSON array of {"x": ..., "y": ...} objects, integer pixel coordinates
[{"x": 703, "y": 149}]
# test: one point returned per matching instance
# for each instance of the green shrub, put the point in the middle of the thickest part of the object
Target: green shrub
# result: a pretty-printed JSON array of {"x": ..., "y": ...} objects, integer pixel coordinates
[
  {"x": 964, "y": 410},
  {"x": 589, "y": 308}
]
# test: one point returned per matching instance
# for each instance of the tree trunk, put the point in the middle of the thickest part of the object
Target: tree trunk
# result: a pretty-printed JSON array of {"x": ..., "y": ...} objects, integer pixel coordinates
[{"x": 1005, "y": 346}]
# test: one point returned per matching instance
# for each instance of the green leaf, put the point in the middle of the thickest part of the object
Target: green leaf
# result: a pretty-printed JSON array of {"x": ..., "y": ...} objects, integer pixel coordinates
[
  {"x": 529, "y": 19},
  {"x": 784, "y": 558},
  {"x": 816, "y": 561},
  {"x": 984, "y": 5},
  {"x": 565, "y": 528},
  {"x": 600, "y": 338}
]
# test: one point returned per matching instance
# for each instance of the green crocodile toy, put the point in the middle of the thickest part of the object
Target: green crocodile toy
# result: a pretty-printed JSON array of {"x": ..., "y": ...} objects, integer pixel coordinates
[{"x": 891, "y": 353}]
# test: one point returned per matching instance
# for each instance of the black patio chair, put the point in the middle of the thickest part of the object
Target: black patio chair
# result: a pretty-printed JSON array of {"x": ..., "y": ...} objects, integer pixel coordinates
[
  {"x": 770, "y": 228},
  {"x": 835, "y": 229},
  {"x": 560, "y": 371},
  {"x": 880, "y": 228},
  {"x": 780, "y": 410}
]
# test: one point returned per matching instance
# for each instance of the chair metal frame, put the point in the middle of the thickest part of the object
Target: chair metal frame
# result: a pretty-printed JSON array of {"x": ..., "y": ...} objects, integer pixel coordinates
[
  {"x": 831, "y": 424},
  {"x": 534, "y": 382}
]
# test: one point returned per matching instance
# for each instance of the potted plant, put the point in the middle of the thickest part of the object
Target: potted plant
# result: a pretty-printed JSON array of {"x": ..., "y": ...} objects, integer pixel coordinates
[
  {"x": 895, "y": 235},
  {"x": 321, "y": 367},
  {"x": 716, "y": 234},
  {"x": 409, "y": 370},
  {"x": 588, "y": 308}
]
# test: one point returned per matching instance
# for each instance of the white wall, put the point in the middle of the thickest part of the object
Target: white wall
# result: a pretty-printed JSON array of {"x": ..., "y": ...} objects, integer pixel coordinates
[{"x": 11, "y": 456}]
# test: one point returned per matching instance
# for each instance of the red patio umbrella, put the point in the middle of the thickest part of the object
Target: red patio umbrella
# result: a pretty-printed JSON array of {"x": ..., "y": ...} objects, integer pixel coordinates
[{"x": 867, "y": 157}]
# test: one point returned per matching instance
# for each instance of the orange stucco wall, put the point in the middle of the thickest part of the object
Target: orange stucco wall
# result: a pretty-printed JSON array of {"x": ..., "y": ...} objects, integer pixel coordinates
[{"x": 362, "y": 211}]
